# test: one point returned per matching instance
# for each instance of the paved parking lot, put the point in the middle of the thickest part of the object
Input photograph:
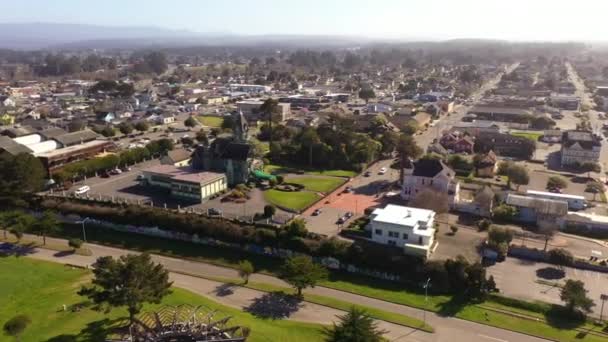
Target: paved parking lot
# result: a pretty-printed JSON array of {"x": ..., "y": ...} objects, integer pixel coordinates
[
  {"x": 366, "y": 192},
  {"x": 518, "y": 278}
]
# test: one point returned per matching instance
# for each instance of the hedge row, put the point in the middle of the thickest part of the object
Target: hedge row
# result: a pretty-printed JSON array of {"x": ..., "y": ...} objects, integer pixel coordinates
[{"x": 360, "y": 253}]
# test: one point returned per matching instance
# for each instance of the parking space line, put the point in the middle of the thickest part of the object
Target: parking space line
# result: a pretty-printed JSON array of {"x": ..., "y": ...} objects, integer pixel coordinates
[{"x": 492, "y": 338}]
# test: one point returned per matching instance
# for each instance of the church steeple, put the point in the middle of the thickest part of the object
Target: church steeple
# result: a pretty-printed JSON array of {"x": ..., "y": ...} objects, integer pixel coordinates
[{"x": 241, "y": 127}]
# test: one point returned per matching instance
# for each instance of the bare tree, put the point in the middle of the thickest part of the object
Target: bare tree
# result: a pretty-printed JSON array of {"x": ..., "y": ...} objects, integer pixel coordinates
[{"x": 432, "y": 200}]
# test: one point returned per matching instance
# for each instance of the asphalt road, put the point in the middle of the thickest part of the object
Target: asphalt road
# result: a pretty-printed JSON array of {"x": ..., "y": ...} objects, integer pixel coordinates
[
  {"x": 447, "y": 329},
  {"x": 448, "y": 121}
]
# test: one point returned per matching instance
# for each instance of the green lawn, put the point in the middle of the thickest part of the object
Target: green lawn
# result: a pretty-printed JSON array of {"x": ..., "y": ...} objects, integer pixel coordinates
[
  {"x": 334, "y": 173},
  {"x": 530, "y": 135},
  {"x": 39, "y": 289},
  {"x": 296, "y": 200},
  {"x": 279, "y": 169},
  {"x": 319, "y": 184},
  {"x": 210, "y": 121}
]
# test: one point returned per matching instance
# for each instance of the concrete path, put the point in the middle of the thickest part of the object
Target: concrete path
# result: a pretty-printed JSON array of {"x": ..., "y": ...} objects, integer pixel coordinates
[{"x": 447, "y": 329}]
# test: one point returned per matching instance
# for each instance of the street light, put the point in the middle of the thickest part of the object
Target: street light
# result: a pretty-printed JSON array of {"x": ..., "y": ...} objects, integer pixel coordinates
[
  {"x": 84, "y": 234},
  {"x": 603, "y": 298},
  {"x": 426, "y": 299}
]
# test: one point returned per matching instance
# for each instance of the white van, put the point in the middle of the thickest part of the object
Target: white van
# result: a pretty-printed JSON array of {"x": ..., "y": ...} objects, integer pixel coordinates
[{"x": 82, "y": 190}]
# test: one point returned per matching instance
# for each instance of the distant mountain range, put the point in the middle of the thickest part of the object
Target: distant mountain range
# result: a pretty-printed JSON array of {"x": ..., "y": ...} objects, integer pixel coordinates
[{"x": 33, "y": 36}]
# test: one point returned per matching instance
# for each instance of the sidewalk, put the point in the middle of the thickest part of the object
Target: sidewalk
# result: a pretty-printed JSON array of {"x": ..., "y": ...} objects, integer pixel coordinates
[{"x": 446, "y": 328}]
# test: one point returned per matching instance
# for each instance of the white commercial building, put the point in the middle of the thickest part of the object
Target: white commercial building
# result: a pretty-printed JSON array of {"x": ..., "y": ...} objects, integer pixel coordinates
[
  {"x": 574, "y": 202},
  {"x": 408, "y": 228}
]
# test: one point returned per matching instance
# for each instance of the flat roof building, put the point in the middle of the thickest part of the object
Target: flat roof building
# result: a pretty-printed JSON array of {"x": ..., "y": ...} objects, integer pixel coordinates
[
  {"x": 404, "y": 227},
  {"x": 185, "y": 182}
]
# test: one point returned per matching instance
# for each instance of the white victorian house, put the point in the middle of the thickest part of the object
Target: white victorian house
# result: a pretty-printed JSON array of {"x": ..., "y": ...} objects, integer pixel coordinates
[{"x": 429, "y": 173}]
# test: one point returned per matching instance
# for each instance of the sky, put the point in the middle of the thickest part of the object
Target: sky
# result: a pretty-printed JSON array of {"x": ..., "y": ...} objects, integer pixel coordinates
[{"x": 395, "y": 19}]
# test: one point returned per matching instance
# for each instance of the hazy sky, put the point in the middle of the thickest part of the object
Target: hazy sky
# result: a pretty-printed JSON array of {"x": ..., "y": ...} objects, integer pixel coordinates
[{"x": 503, "y": 19}]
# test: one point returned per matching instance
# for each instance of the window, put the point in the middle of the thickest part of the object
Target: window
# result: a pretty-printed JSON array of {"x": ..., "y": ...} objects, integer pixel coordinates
[
  {"x": 405, "y": 236},
  {"x": 378, "y": 232},
  {"x": 393, "y": 234},
  {"x": 392, "y": 242},
  {"x": 420, "y": 240}
]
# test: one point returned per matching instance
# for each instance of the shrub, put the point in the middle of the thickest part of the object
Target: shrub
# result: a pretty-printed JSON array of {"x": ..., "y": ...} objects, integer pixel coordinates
[
  {"x": 269, "y": 210},
  {"x": 280, "y": 179},
  {"x": 505, "y": 212},
  {"x": 560, "y": 257},
  {"x": 483, "y": 225},
  {"x": 16, "y": 325},
  {"x": 272, "y": 182},
  {"x": 454, "y": 229},
  {"x": 75, "y": 243}
]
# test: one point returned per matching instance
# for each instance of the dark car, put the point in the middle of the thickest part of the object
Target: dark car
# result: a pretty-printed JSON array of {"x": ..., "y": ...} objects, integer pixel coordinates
[
  {"x": 342, "y": 219},
  {"x": 214, "y": 212},
  {"x": 367, "y": 173},
  {"x": 349, "y": 214},
  {"x": 348, "y": 189},
  {"x": 317, "y": 212}
]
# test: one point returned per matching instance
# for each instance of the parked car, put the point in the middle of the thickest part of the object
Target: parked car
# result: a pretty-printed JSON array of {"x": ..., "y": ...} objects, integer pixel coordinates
[
  {"x": 214, "y": 212},
  {"x": 348, "y": 189},
  {"x": 367, "y": 173},
  {"x": 342, "y": 219},
  {"x": 317, "y": 212},
  {"x": 382, "y": 171},
  {"x": 349, "y": 214},
  {"x": 82, "y": 190}
]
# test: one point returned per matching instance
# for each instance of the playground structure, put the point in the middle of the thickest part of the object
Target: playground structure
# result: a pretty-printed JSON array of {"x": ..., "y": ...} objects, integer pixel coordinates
[{"x": 184, "y": 323}]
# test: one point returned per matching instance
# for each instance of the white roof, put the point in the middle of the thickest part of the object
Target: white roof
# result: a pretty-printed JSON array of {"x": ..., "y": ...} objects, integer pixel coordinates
[
  {"x": 28, "y": 139},
  {"x": 405, "y": 216},
  {"x": 43, "y": 147},
  {"x": 554, "y": 195}
]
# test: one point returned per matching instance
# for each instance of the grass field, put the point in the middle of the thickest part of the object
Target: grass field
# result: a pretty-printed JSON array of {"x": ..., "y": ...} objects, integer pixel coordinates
[
  {"x": 39, "y": 289},
  {"x": 319, "y": 184},
  {"x": 296, "y": 200},
  {"x": 279, "y": 169},
  {"x": 534, "y": 136},
  {"x": 334, "y": 173},
  {"x": 210, "y": 121}
]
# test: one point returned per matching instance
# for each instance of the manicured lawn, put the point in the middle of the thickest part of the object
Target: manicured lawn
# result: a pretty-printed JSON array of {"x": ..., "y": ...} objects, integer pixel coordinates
[
  {"x": 278, "y": 169},
  {"x": 319, "y": 184},
  {"x": 534, "y": 136},
  {"x": 39, "y": 289},
  {"x": 296, "y": 200},
  {"x": 210, "y": 121},
  {"x": 334, "y": 173}
]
